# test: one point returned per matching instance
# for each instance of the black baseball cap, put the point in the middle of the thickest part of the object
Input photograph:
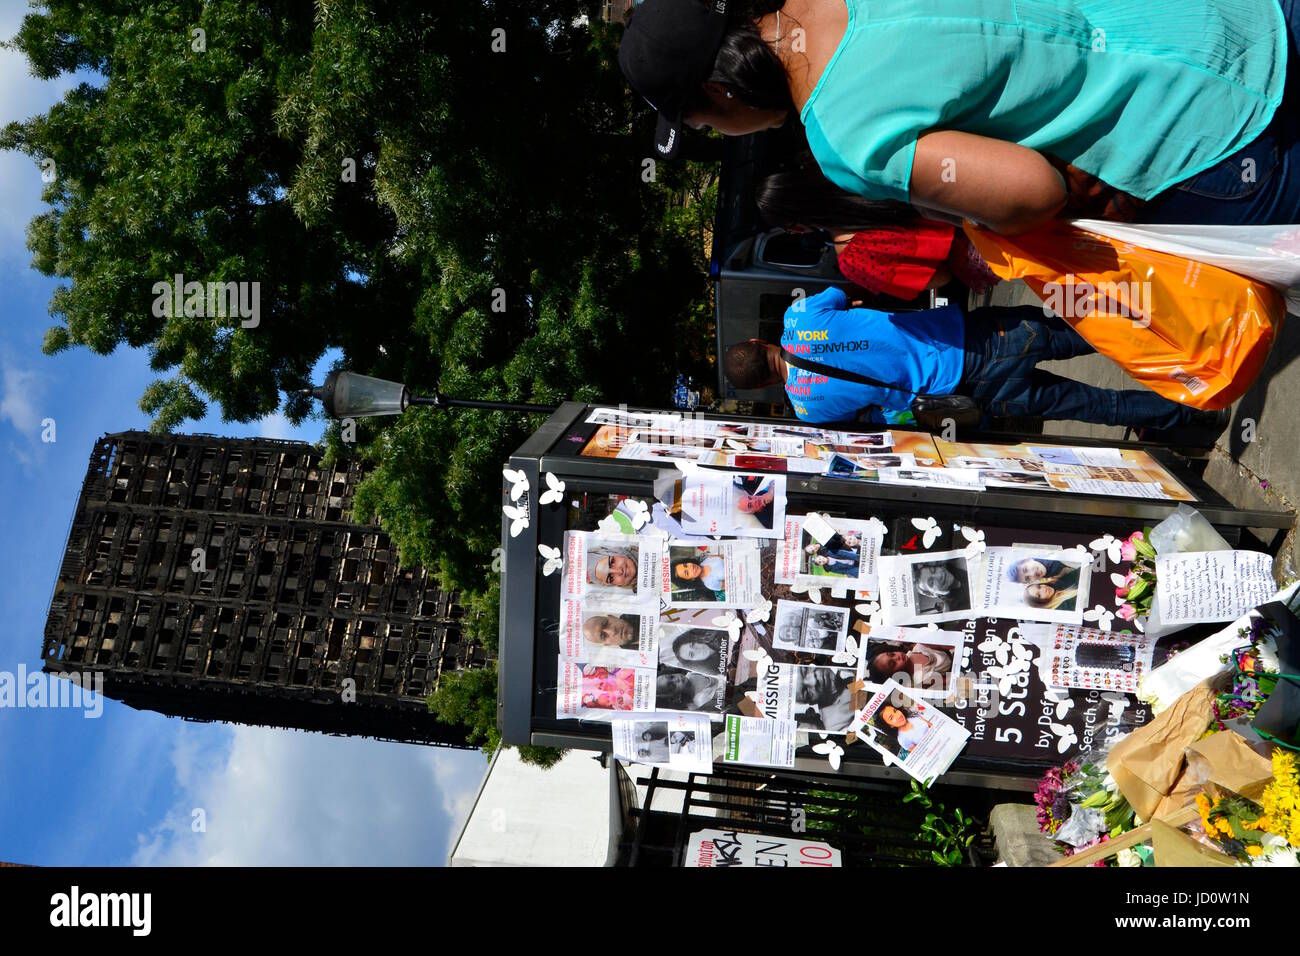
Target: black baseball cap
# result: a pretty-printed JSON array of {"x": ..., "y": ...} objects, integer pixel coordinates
[{"x": 667, "y": 52}]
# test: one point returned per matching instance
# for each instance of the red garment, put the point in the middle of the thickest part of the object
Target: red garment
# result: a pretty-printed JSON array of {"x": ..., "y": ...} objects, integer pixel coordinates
[{"x": 897, "y": 260}]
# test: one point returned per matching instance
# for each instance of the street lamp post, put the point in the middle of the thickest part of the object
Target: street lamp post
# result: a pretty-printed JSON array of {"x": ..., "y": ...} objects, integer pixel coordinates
[{"x": 352, "y": 395}]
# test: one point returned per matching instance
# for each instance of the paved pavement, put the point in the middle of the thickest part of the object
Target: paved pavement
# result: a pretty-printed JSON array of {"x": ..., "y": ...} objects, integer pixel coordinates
[{"x": 1256, "y": 462}]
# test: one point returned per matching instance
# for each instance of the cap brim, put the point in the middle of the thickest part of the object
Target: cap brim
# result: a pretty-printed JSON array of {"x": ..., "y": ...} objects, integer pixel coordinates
[{"x": 668, "y": 136}]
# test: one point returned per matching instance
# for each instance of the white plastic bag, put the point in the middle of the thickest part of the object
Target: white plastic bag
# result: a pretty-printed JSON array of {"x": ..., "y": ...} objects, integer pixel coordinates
[{"x": 1265, "y": 253}]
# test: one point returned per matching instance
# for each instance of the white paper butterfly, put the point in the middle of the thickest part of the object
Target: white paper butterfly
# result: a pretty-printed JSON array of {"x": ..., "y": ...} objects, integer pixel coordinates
[
  {"x": 758, "y": 656},
  {"x": 730, "y": 623},
  {"x": 738, "y": 445},
  {"x": 554, "y": 561},
  {"x": 850, "y": 654},
  {"x": 1101, "y": 616},
  {"x": 518, "y": 519},
  {"x": 759, "y": 612},
  {"x": 554, "y": 490},
  {"x": 812, "y": 592},
  {"x": 839, "y": 591},
  {"x": 1109, "y": 544},
  {"x": 1082, "y": 554},
  {"x": 518, "y": 482},
  {"x": 1067, "y": 735},
  {"x": 992, "y": 645},
  {"x": 974, "y": 541},
  {"x": 1005, "y": 677},
  {"x": 876, "y": 528},
  {"x": 832, "y": 750},
  {"x": 637, "y": 511},
  {"x": 931, "y": 530},
  {"x": 609, "y": 525},
  {"x": 1061, "y": 699},
  {"x": 869, "y": 609}
]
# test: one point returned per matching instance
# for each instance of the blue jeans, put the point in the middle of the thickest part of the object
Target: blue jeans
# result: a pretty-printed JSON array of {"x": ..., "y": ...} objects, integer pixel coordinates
[
  {"x": 1220, "y": 196},
  {"x": 1003, "y": 348}
]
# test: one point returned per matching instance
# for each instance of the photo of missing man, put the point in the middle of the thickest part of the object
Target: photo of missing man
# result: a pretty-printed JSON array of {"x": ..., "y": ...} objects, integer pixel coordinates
[
  {"x": 823, "y": 698},
  {"x": 755, "y": 497},
  {"x": 1049, "y": 584},
  {"x": 939, "y": 587},
  {"x": 696, "y": 574},
  {"x": 651, "y": 740},
  {"x": 839, "y": 557},
  {"x": 612, "y": 630},
  {"x": 812, "y": 628},
  {"x": 922, "y": 666}
]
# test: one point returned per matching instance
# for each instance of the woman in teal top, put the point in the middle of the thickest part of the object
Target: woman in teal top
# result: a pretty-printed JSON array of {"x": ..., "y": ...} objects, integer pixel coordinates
[{"x": 974, "y": 108}]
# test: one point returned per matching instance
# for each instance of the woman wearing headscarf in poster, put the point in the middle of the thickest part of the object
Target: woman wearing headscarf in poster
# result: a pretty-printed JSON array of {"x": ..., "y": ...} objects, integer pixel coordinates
[
  {"x": 1004, "y": 112},
  {"x": 612, "y": 567}
]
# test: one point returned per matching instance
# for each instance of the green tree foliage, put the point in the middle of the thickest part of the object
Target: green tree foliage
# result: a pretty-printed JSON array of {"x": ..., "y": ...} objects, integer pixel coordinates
[{"x": 460, "y": 218}]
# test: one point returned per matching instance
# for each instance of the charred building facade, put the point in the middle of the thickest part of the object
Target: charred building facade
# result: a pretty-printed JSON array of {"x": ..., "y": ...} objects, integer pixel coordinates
[{"x": 221, "y": 579}]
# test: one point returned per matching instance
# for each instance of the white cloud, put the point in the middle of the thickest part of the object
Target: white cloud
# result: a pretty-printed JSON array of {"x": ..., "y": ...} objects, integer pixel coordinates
[
  {"x": 276, "y": 425},
  {"x": 20, "y": 391},
  {"x": 285, "y": 798}
]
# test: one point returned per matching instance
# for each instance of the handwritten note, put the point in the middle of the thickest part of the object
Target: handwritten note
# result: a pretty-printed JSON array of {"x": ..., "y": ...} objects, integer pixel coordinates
[{"x": 1204, "y": 586}]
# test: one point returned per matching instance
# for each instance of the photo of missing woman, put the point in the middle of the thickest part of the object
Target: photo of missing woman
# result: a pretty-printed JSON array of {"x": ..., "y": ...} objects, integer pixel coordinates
[
  {"x": 697, "y": 649},
  {"x": 696, "y": 575},
  {"x": 677, "y": 689},
  {"x": 900, "y": 728},
  {"x": 1049, "y": 584},
  {"x": 921, "y": 666},
  {"x": 941, "y": 587}
]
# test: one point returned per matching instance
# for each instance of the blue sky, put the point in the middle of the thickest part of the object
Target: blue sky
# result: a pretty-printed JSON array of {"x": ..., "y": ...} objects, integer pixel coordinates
[{"x": 122, "y": 789}]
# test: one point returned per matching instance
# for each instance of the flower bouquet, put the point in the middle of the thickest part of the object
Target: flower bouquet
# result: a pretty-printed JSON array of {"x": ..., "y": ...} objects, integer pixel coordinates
[
  {"x": 1266, "y": 833},
  {"x": 1080, "y": 806}
]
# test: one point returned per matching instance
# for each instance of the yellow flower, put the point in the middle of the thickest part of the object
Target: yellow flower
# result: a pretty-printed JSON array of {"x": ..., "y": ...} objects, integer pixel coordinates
[
  {"x": 1254, "y": 850},
  {"x": 1203, "y": 803}
]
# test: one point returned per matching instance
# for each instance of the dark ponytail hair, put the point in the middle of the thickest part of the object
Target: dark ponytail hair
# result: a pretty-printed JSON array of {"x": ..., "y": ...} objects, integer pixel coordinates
[
  {"x": 801, "y": 195},
  {"x": 746, "y": 65}
]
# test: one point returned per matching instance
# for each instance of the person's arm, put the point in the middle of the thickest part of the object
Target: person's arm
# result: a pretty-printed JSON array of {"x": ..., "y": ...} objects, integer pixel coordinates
[{"x": 1002, "y": 185}]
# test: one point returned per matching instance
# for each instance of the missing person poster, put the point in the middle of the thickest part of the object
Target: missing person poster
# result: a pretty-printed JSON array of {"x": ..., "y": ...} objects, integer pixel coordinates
[
  {"x": 717, "y": 574},
  {"x": 810, "y": 628},
  {"x": 747, "y": 505},
  {"x": 816, "y": 698},
  {"x": 1090, "y": 659},
  {"x": 847, "y": 555},
  {"x": 920, "y": 588},
  {"x": 1207, "y": 586},
  {"x": 693, "y": 670},
  {"x": 608, "y": 633},
  {"x": 677, "y": 741},
  {"x": 911, "y": 733},
  {"x": 1032, "y": 585},
  {"x": 598, "y": 692},
  {"x": 924, "y": 661},
  {"x": 761, "y": 741},
  {"x": 615, "y": 568},
  {"x": 714, "y": 849}
]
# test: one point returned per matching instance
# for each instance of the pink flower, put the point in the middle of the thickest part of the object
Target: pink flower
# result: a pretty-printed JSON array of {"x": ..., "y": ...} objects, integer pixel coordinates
[
  {"x": 1126, "y": 612},
  {"x": 1121, "y": 593},
  {"x": 1128, "y": 547}
]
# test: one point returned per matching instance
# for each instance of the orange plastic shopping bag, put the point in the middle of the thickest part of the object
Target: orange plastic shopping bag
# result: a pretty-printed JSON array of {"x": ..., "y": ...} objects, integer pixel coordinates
[{"x": 1192, "y": 332}]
